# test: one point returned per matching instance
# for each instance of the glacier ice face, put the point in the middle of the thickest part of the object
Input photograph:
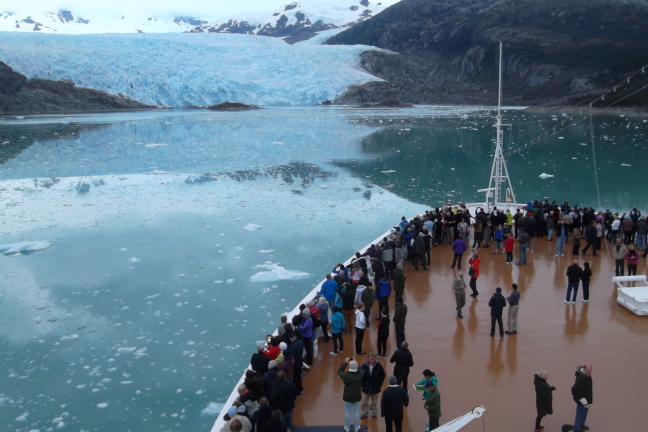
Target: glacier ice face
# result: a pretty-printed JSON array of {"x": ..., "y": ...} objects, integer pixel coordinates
[{"x": 178, "y": 70}]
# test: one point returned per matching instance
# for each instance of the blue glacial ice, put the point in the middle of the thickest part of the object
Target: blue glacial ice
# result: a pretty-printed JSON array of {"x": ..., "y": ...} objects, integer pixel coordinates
[{"x": 179, "y": 70}]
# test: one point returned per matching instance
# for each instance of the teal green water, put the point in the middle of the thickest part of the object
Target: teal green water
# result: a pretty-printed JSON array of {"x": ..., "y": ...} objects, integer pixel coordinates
[{"x": 178, "y": 237}]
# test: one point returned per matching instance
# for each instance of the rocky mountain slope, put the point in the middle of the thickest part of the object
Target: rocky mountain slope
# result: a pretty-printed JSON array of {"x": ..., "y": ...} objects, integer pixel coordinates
[
  {"x": 555, "y": 51},
  {"x": 17, "y": 94}
]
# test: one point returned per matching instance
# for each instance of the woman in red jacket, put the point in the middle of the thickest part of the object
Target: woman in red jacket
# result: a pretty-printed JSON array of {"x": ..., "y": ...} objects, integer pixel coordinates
[{"x": 474, "y": 274}]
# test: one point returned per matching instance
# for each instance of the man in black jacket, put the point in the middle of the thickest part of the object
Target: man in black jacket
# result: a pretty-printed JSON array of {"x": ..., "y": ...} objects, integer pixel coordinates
[
  {"x": 574, "y": 274},
  {"x": 404, "y": 361},
  {"x": 284, "y": 394},
  {"x": 582, "y": 394},
  {"x": 373, "y": 377},
  {"x": 497, "y": 304},
  {"x": 393, "y": 400},
  {"x": 259, "y": 361}
]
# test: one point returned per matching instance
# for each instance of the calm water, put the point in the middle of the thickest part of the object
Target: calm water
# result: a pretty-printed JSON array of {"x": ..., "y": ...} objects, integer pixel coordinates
[{"x": 178, "y": 237}]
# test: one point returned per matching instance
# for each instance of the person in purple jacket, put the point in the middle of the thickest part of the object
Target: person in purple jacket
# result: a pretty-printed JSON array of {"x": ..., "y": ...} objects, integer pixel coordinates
[
  {"x": 459, "y": 247},
  {"x": 306, "y": 329}
]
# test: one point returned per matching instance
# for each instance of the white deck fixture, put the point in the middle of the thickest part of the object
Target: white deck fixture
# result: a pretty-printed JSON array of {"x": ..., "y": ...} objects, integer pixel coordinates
[
  {"x": 634, "y": 298},
  {"x": 459, "y": 422}
]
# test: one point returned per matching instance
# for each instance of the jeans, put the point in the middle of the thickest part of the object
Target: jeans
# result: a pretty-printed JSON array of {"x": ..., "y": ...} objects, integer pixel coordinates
[
  {"x": 570, "y": 286},
  {"x": 641, "y": 241},
  {"x": 560, "y": 245},
  {"x": 355, "y": 407},
  {"x": 337, "y": 337},
  {"x": 287, "y": 419},
  {"x": 523, "y": 254},
  {"x": 400, "y": 334},
  {"x": 550, "y": 235},
  {"x": 581, "y": 416}
]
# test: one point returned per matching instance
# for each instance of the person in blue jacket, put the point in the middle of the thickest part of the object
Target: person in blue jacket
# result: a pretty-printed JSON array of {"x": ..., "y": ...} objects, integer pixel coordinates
[
  {"x": 382, "y": 294},
  {"x": 328, "y": 289}
]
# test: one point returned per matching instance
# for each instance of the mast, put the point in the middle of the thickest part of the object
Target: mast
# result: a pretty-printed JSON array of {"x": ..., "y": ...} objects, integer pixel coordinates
[{"x": 499, "y": 172}]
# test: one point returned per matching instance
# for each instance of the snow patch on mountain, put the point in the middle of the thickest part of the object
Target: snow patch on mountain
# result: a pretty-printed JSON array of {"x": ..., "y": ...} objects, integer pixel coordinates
[{"x": 179, "y": 70}]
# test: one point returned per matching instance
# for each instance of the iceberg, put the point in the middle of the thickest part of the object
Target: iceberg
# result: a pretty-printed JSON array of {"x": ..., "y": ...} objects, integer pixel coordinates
[
  {"x": 24, "y": 247},
  {"x": 188, "y": 69},
  {"x": 274, "y": 272}
]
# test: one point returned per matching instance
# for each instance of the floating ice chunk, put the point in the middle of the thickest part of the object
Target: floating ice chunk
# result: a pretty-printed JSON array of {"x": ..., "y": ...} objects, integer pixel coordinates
[
  {"x": 545, "y": 176},
  {"x": 240, "y": 308},
  {"x": 218, "y": 282},
  {"x": 153, "y": 296},
  {"x": 70, "y": 337},
  {"x": 624, "y": 164},
  {"x": 126, "y": 382},
  {"x": 134, "y": 259},
  {"x": 388, "y": 171},
  {"x": 125, "y": 350},
  {"x": 274, "y": 272},
  {"x": 277, "y": 142},
  {"x": 252, "y": 227},
  {"x": 102, "y": 405},
  {"x": 123, "y": 249},
  {"x": 266, "y": 251},
  {"x": 213, "y": 409},
  {"x": 22, "y": 417},
  {"x": 229, "y": 281},
  {"x": 24, "y": 247},
  {"x": 182, "y": 275},
  {"x": 155, "y": 145}
]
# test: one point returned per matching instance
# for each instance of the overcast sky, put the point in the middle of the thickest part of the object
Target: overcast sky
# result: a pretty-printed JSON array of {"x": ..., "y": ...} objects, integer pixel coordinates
[{"x": 205, "y": 8}]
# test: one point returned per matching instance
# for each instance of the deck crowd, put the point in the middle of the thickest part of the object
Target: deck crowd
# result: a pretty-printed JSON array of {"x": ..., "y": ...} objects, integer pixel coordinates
[{"x": 344, "y": 303}]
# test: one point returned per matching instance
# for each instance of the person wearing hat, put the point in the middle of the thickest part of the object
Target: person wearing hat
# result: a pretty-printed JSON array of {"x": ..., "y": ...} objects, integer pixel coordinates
[
  {"x": 433, "y": 405},
  {"x": 352, "y": 394},
  {"x": 497, "y": 304},
  {"x": 427, "y": 375},
  {"x": 393, "y": 400}
]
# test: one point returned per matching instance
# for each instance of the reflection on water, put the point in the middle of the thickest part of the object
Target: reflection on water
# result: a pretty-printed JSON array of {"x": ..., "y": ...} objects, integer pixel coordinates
[{"x": 147, "y": 305}]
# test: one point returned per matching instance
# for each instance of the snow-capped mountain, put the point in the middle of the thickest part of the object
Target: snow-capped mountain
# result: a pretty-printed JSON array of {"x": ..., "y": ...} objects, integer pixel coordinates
[
  {"x": 68, "y": 22},
  {"x": 301, "y": 19}
]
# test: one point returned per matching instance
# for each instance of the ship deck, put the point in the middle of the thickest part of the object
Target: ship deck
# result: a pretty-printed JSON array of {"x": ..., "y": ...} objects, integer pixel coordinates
[{"x": 475, "y": 369}]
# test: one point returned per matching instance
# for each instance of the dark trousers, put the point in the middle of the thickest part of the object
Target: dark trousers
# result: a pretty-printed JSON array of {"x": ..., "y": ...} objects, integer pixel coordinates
[
  {"x": 427, "y": 255},
  {"x": 434, "y": 423},
  {"x": 509, "y": 257},
  {"x": 473, "y": 285},
  {"x": 297, "y": 377},
  {"x": 389, "y": 269},
  {"x": 419, "y": 257},
  {"x": 382, "y": 345},
  {"x": 586, "y": 290},
  {"x": 575, "y": 249},
  {"x": 538, "y": 420},
  {"x": 588, "y": 246},
  {"x": 632, "y": 269},
  {"x": 457, "y": 259},
  {"x": 627, "y": 237},
  {"x": 620, "y": 265},
  {"x": 308, "y": 346},
  {"x": 358, "y": 339},
  {"x": 499, "y": 322},
  {"x": 383, "y": 304},
  {"x": 400, "y": 334},
  {"x": 398, "y": 421},
  {"x": 337, "y": 337},
  {"x": 401, "y": 375},
  {"x": 325, "y": 330}
]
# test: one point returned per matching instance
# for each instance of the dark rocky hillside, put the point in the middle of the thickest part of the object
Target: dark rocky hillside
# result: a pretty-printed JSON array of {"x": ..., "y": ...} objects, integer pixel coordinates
[
  {"x": 17, "y": 94},
  {"x": 555, "y": 51}
]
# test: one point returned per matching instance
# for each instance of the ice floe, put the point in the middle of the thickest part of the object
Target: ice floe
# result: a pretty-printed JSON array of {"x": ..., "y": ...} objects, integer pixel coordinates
[
  {"x": 211, "y": 410},
  {"x": 274, "y": 272},
  {"x": 24, "y": 247},
  {"x": 252, "y": 227}
]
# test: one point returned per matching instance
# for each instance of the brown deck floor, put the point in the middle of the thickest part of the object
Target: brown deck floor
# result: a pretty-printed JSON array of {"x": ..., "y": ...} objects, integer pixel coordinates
[{"x": 475, "y": 369}]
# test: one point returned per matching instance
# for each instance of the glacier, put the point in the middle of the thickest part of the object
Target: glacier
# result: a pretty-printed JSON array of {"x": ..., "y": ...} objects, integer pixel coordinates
[{"x": 181, "y": 70}]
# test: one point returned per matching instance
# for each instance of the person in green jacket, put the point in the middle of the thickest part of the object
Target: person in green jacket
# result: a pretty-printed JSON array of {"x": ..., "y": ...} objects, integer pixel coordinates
[
  {"x": 399, "y": 280},
  {"x": 427, "y": 375},
  {"x": 352, "y": 394},
  {"x": 433, "y": 405}
]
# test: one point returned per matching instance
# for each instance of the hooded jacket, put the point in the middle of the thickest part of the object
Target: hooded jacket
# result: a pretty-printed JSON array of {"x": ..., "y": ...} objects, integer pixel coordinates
[
  {"x": 582, "y": 388},
  {"x": 544, "y": 396},
  {"x": 352, "y": 384}
]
